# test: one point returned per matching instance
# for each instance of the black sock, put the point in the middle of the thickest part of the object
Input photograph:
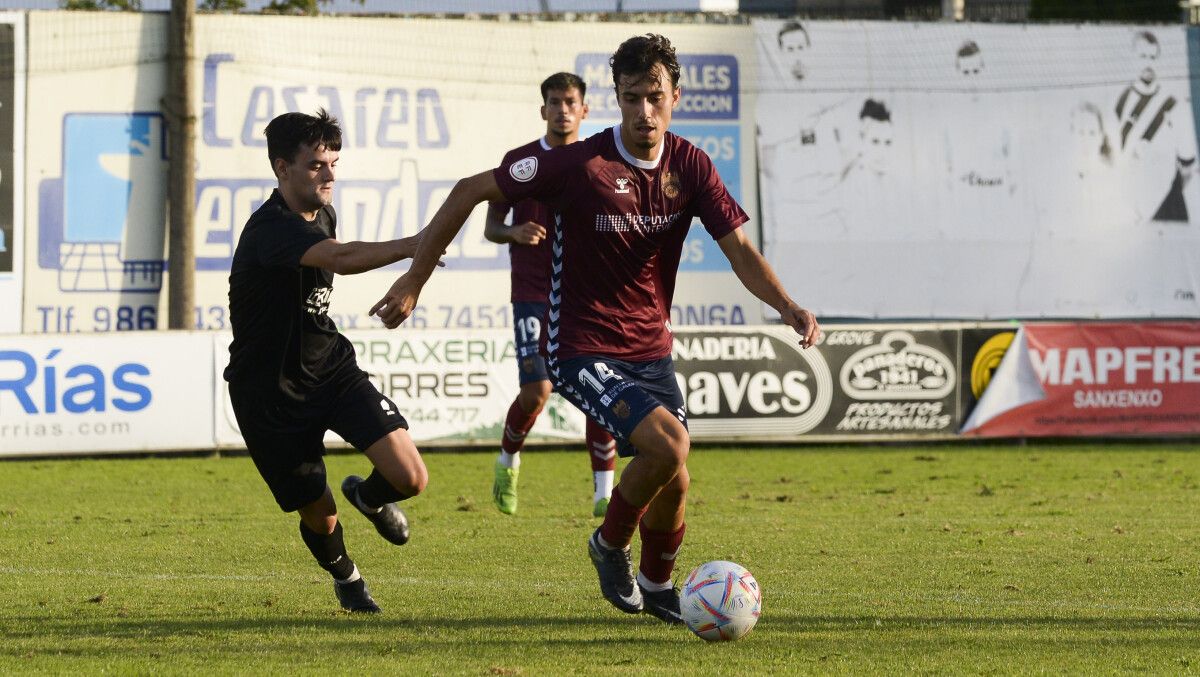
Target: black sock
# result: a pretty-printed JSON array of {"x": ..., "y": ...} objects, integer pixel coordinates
[
  {"x": 375, "y": 491},
  {"x": 329, "y": 551}
]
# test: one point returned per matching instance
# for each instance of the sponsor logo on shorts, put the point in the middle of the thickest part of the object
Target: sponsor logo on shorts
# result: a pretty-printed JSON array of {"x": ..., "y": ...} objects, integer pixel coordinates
[
  {"x": 523, "y": 170},
  {"x": 621, "y": 409}
]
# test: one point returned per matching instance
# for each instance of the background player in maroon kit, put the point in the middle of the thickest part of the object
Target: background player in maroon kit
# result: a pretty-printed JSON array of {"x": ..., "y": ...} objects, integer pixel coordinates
[
  {"x": 563, "y": 108},
  {"x": 624, "y": 200}
]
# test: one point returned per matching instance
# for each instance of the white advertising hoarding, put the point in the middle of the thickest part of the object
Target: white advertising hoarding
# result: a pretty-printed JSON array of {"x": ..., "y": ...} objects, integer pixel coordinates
[
  {"x": 453, "y": 387},
  {"x": 83, "y": 394},
  {"x": 414, "y": 122},
  {"x": 96, "y": 195},
  {"x": 980, "y": 171}
]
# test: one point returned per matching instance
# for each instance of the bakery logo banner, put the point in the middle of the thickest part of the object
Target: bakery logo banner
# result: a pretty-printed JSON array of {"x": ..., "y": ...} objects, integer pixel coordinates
[{"x": 892, "y": 381}]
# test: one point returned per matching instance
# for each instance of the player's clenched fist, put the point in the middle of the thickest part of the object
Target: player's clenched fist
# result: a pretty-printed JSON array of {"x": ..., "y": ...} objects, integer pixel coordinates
[
  {"x": 528, "y": 233},
  {"x": 398, "y": 303}
]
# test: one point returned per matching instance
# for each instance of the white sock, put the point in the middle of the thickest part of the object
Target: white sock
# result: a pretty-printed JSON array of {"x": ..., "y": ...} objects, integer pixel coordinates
[
  {"x": 510, "y": 460},
  {"x": 602, "y": 480},
  {"x": 603, "y": 543},
  {"x": 354, "y": 576},
  {"x": 650, "y": 586}
]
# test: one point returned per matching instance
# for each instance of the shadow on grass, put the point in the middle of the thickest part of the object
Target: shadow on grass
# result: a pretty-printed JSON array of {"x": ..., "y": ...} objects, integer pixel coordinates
[
  {"x": 800, "y": 623},
  {"x": 545, "y": 627},
  {"x": 150, "y": 627}
]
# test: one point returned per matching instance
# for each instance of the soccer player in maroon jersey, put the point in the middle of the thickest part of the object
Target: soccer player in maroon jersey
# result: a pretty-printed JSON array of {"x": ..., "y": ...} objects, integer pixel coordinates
[
  {"x": 624, "y": 200},
  {"x": 563, "y": 108}
]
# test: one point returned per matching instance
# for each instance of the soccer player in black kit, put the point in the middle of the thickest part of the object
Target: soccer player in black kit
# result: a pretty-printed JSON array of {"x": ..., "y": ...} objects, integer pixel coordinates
[{"x": 292, "y": 376}]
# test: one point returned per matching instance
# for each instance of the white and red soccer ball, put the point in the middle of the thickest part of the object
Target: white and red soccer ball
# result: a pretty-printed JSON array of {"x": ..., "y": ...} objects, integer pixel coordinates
[{"x": 720, "y": 601}]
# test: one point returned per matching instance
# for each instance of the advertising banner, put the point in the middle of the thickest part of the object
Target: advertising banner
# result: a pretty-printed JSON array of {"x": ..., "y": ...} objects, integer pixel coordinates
[
  {"x": 949, "y": 170},
  {"x": 12, "y": 169},
  {"x": 1094, "y": 379},
  {"x": 453, "y": 387},
  {"x": 982, "y": 348},
  {"x": 893, "y": 381},
  {"x": 96, "y": 226},
  {"x": 751, "y": 383},
  {"x": 82, "y": 394},
  {"x": 859, "y": 382},
  {"x": 414, "y": 122}
]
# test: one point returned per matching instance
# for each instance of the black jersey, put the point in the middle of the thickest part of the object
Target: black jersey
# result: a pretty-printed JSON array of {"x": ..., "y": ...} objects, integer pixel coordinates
[{"x": 284, "y": 343}]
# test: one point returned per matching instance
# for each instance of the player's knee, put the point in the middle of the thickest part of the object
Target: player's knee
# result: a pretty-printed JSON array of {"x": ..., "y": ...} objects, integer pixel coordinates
[
  {"x": 322, "y": 525},
  {"x": 668, "y": 449},
  {"x": 678, "y": 444},
  {"x": 415, "y": 480},
  {"x": 420, "y": 480},
  {"x": 682, "y": 481}
]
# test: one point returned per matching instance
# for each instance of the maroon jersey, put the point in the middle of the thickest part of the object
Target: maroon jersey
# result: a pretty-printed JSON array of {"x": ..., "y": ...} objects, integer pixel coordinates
[
  {"x": 621, "y": 226},
  {"x": 530, "y": 263}
]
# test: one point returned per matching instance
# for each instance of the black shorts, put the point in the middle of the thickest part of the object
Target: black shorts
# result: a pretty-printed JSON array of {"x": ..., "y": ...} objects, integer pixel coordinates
[
  {"x": 618, "y": 394},
  {"x": 285, "y": 439}
]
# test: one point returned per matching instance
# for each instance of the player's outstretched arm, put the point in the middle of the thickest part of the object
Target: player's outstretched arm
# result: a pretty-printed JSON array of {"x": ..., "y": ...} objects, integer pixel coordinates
[
  {"x": 756, "y": 274},
  {"x": 349, "y": 258},
  {"x": 400, "y": 300}
]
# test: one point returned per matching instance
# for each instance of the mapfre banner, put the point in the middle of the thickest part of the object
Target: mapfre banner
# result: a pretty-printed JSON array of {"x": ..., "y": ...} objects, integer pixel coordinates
[
  {"x": 1094, "y": 379},
  {"x": 950, "y": 170}
]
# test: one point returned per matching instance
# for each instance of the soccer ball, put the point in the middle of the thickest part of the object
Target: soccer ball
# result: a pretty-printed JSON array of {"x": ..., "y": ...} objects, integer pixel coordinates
[{"x": 720, "y": 601}]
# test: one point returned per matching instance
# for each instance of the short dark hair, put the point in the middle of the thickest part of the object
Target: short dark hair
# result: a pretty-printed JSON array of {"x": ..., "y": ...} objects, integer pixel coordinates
[
  {"x": 562, "y": 82},
  {"x": 968, "y": 48},
  {"x": 287, "y": 132},
  {"x": 641, "y": 54},
  {"x": 875, "y": 110},
  {"x": 791, "y": 27}
]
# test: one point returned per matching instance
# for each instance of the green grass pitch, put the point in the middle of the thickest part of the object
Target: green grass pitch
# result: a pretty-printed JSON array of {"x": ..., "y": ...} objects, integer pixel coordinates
[{"x": 1076, "y": 559}]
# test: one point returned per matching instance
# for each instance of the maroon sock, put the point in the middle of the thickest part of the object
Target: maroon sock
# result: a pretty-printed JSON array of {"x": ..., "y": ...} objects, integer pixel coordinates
[
  {"x": 516, "y": 427},
  {"x": 601, "y": 447},
  {"x": 621, "y": 520},
  {"x": 659, "y": 549}
]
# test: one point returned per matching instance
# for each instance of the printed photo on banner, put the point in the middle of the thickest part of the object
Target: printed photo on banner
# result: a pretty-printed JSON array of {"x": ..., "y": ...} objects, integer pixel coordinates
[{"x": 962, "y": 166}]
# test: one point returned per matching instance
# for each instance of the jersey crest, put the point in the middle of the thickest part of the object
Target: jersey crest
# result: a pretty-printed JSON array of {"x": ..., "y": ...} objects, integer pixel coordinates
[{"x": 670, "y": 185}]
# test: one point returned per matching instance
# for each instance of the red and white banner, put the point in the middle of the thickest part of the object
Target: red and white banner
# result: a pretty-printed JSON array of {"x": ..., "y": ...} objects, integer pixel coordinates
[{"x": 1094, "y": 379}]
